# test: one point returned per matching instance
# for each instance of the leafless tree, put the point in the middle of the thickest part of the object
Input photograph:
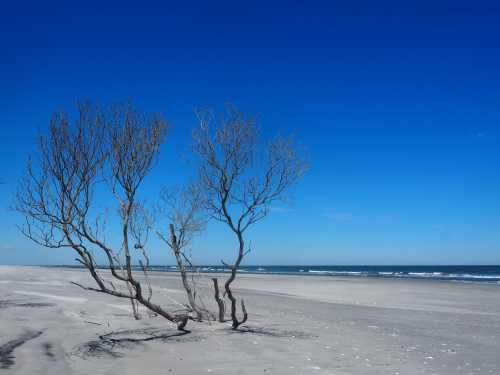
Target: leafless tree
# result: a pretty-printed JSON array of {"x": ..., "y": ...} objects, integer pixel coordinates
[
  {"x": 57, "y": 195},
  {"x": 241, "y": 179},
  {"x": 183, "y": 209}
]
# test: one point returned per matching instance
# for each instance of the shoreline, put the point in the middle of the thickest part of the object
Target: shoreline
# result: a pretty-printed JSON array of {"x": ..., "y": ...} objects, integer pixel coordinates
[{"x": 493, "y": 279}]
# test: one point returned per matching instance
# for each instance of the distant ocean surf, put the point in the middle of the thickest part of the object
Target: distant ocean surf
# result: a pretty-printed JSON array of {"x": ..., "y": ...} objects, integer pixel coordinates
[
  {"x": 479, "y": 274},
  {"x": 483, "y": 274}
]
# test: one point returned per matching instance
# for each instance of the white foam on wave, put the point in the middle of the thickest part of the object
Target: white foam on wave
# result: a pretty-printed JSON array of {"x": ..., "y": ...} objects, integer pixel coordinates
[
  {"x": 451, "y": 276},
  {"x": 339, "y": 273},
  {"x": 423, "y": 275},
  {"x": 483, "y": 277}
]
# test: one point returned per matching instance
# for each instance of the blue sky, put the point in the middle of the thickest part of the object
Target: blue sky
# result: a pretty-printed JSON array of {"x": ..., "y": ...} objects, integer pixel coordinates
[{"x": 397, "y": 105}]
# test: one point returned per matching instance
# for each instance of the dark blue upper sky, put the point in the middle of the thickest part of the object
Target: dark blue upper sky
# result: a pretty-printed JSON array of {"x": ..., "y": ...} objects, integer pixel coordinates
[{"x": 397, "y": 103}]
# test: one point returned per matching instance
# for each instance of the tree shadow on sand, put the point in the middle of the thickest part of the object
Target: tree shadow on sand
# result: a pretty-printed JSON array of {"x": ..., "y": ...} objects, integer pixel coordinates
[
  {"x": 272, "y": 332},
  {"x": 7, "y": 350},
  {"x": 111, "y": 344}
]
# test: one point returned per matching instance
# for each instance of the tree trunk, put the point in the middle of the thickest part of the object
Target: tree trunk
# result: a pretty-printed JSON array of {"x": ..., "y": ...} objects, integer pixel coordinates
[
  {"x": 220, "y": 301},
  {"x": 182, "y": 269},
  {"x": 180, "y": 320},
  {"x": 227, "y": 285}
]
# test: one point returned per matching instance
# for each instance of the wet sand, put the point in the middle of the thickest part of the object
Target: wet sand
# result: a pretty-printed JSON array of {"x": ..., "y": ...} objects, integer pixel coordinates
[{"x": 297, "y": 325}]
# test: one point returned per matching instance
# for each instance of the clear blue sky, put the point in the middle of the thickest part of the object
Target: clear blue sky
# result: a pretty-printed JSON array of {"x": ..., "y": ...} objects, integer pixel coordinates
[{"x": 397, "y": 103}]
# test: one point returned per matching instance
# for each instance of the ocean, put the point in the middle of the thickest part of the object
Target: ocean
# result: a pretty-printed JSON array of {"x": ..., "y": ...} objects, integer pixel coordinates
[
  {"x": 476, "y": 274},
  {"x": 480, "y": 274}
]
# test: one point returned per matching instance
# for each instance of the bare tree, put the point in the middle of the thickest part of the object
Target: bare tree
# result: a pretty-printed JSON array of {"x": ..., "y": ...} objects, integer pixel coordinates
[
  {"x": 183, "y": 210},
  {"x": 241, "y": 179},
  {"x": 57, "y": 196}
]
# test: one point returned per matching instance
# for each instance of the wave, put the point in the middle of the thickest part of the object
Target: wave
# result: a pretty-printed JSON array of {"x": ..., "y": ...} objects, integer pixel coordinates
[
  {"x": 347, "y": 273},
  {"x": 476, "y": 274},
  {"x": 440, "y": 275},
  {"x": 412, "y": 275},
  {"x": 486, "y": 277}
]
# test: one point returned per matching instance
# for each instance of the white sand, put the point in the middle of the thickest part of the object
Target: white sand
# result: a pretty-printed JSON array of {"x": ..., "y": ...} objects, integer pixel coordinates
[
  {"x": 298, "y": 325},
  {"x": 51, "y": 296}
]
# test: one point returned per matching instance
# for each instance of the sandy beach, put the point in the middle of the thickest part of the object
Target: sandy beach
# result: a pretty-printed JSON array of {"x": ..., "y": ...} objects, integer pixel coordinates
[{"x": 297, "y": 325}]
